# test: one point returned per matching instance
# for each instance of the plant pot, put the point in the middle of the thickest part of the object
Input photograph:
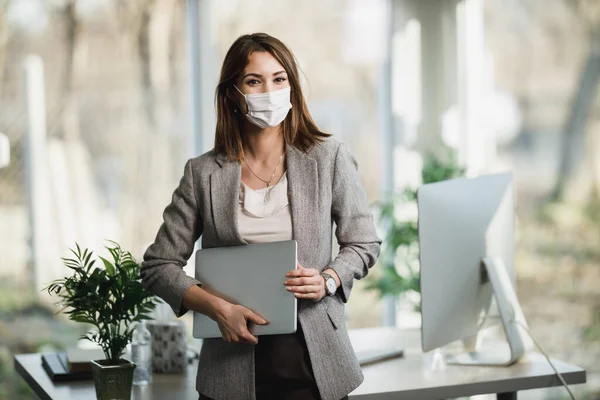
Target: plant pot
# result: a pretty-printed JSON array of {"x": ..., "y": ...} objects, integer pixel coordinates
[{"x": 113, "y": 382}]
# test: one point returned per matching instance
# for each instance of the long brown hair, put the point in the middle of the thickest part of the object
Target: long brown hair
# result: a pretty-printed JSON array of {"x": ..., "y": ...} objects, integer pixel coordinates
[{"x": 298, "y": 128}]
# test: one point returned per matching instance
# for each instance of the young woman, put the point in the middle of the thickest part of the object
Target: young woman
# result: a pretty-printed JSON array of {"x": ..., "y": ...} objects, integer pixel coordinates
[{"x": 272, "y": 176}]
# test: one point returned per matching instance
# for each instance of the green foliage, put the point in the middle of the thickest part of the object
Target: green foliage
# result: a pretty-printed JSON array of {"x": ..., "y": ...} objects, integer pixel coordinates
[
  {"x": 591, "y": 333},
  {"x": 404, "y": 235},
  {"x": 12, "y": 386},
  {"x": 437, "y": 169},
  {"x": 110, "y": 299},
  {"x": 14, "y": 297}
]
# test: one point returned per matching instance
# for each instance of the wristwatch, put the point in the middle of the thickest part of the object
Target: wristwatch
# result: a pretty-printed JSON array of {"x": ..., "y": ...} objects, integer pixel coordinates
[{"x": 330, "y": 284}]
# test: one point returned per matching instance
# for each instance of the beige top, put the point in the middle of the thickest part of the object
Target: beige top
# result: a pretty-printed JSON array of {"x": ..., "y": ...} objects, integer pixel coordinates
[{"x": 261, "y": 221}]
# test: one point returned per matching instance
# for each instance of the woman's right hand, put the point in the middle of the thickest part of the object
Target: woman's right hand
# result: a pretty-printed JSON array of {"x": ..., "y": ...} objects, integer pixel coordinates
[{"x": 233, "y": 320}]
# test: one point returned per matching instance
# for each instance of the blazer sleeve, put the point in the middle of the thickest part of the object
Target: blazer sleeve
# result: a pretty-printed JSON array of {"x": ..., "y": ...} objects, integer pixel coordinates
[
  {"x": 162, "y": 269},
  {"x": 355, "y": 230}
]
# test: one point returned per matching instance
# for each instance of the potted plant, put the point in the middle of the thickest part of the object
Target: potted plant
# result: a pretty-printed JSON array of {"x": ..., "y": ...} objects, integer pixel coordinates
[
  {"x": 111, "y": 299},
  {"x": 399, "y": 260}
]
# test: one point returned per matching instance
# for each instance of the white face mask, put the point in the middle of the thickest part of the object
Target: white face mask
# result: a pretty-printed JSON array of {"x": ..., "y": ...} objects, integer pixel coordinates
[{"x": 267, "y": 110}]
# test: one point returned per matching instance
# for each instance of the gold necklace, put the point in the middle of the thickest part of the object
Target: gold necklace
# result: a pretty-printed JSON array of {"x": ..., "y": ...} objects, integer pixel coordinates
[{"x": 268, "y": 183}]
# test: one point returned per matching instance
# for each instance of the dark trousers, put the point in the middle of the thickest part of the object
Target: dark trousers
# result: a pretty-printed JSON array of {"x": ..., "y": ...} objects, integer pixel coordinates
[
  {"x": 202, "y": 397},
  {"x": 283, "y": 370}
]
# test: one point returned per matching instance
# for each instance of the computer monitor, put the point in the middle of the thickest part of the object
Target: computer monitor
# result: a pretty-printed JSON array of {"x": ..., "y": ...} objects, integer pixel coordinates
[{"x": 466, "y": 244}]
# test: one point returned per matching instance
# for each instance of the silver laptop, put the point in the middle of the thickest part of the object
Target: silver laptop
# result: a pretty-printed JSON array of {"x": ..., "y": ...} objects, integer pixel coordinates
[{"x": 251, "y": 275}]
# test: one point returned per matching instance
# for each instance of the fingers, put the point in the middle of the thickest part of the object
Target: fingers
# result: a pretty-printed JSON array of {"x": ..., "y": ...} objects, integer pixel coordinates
[
  {"x": 247, "y": 337},
  {"x": 304, "y": 289},
  {"x": 312, "y": 296},
  {"x": 239, "y": 335},
  {"x": 301, "y": 271},
  {"x": 243, "y": 337},
  {"x": 234, "y": 329},
  {"x": 304, "y": 281},
  {"x": 254, "y": 318}
]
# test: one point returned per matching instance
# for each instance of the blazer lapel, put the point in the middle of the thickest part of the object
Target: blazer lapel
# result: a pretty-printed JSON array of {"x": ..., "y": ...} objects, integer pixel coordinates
[
  {"x": 303, "y": 184},
  {"x": 224, "y": 195}
]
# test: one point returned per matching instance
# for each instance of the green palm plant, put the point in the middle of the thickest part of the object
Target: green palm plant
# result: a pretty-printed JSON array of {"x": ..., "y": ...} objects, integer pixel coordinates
[
  {"x": 110, "y": 298},
  {"x": 403, "y": 235}
]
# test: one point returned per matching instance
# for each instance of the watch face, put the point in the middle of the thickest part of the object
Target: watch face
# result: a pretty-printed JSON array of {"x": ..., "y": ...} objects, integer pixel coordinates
[{"x": 331, "y": 285}]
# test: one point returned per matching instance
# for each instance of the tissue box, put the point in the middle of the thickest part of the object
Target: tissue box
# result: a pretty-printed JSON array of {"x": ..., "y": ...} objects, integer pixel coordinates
[{"x": 169, "y": 346}]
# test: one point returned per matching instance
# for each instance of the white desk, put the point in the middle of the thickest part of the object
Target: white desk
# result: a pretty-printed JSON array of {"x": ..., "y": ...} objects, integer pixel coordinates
[
  {"x": 403, "y": 378},
  {"x": 408, "y": 379},
  {"x": 411, "y": 377}
]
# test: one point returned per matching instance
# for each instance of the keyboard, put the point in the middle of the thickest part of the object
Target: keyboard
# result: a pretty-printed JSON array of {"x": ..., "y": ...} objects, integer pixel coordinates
[{"x": 372, "y": 356}]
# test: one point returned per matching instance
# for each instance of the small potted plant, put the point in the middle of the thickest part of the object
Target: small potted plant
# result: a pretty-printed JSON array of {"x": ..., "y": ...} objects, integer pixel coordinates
[{"x": 111, "y": 299}]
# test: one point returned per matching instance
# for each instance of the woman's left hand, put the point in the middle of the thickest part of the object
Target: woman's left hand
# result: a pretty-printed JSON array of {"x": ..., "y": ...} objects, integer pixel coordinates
[{"x": 305, "y": 283}]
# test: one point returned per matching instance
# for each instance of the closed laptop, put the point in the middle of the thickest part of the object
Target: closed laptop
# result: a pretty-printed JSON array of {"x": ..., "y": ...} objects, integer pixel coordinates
[{"x": 251, "y": 275}]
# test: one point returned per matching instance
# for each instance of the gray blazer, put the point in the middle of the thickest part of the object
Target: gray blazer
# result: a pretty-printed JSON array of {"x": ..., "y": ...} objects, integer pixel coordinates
[{"x": 323, "y": 188}]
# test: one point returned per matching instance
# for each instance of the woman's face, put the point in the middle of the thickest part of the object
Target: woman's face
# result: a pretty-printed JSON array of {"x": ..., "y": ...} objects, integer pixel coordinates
[{"x": 263, "y": 73}]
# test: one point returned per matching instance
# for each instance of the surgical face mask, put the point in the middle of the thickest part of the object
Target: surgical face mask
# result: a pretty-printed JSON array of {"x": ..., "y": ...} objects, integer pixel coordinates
[{"x": 267, "y": 110}]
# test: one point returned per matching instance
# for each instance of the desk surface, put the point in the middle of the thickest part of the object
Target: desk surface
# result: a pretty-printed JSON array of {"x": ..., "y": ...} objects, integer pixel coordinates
[
  {"x": 406, "y": 377},
  {"x": 164, "y": 386},
  {"x": 411, "y": 378}
]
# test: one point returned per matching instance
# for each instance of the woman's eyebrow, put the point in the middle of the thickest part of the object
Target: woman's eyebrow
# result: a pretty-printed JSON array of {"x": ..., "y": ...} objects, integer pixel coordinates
[
  {"x": 252, "y": 74},
  {"x": 260, "y": 76}
]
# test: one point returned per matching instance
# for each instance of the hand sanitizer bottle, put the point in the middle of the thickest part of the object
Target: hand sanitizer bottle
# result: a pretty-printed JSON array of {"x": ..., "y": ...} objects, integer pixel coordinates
[{"x": 141, "y": 354}]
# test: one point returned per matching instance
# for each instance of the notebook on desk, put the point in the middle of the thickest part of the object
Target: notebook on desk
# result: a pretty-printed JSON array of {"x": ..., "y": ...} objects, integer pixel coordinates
[{"x": 56, "y": 366}]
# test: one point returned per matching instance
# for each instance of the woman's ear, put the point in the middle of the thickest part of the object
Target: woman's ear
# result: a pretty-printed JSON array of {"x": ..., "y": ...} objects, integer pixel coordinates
[
  {"x": 237, "y": 101},
  {"x": 241, "y": 106},
  {"x": 240, "y": 101}
]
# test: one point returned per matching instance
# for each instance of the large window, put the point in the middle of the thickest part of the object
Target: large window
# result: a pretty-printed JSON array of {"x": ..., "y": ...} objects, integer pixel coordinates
[{"x": 97, "y": 99}]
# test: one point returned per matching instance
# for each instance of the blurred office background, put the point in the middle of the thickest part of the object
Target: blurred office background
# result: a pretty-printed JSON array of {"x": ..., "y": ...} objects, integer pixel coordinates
[{"x": 103, "y": 101}]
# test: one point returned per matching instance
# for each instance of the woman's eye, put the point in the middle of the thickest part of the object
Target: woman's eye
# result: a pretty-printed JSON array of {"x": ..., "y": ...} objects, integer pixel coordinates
[
  {"x": 279, "y": 80},
  {"x": 252, "y": 82}
]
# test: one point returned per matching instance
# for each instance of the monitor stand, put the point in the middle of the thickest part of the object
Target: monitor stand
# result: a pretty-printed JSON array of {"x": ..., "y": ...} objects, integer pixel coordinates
[{"x": 513, "y": 322}]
